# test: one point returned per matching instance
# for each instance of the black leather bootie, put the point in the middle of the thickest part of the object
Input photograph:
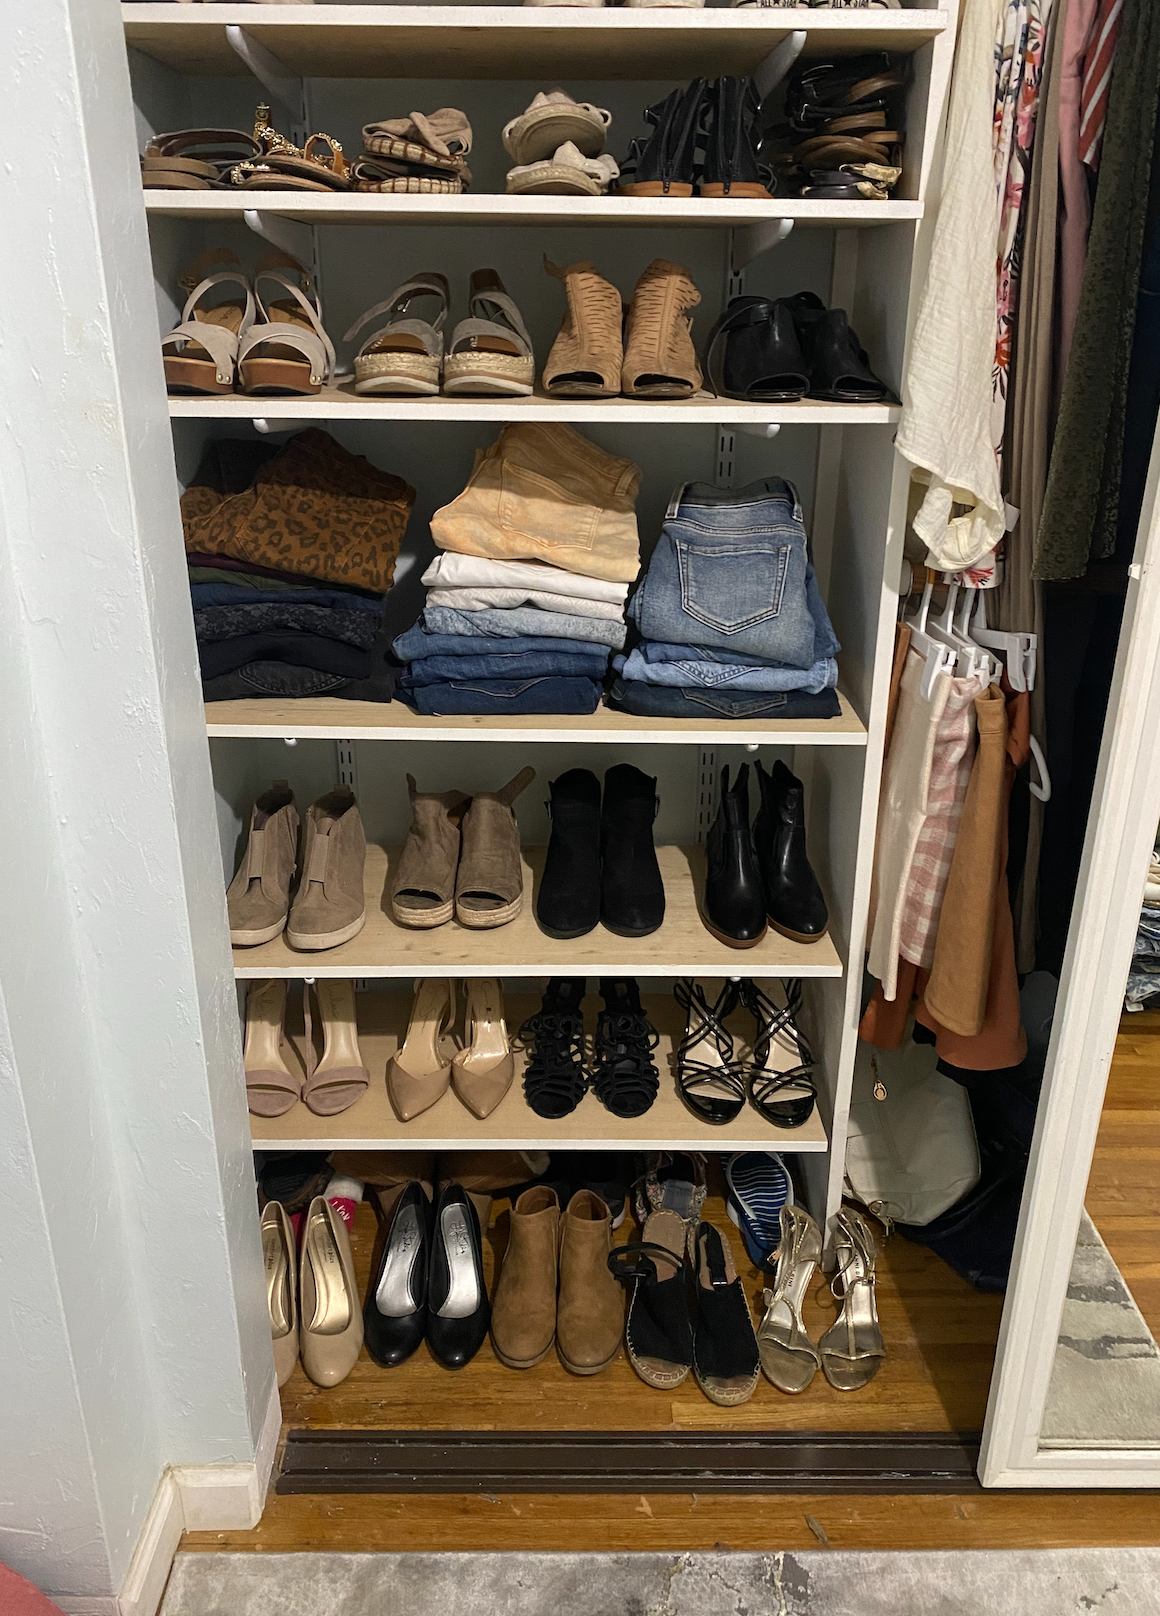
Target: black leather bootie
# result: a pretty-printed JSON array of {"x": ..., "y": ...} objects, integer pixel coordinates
[
  {"x": 734, "y": 905},
  {"x": 793, "y": 898},
  {"x": 632, "y": 897},
  {"x": 568, "y": 902}
]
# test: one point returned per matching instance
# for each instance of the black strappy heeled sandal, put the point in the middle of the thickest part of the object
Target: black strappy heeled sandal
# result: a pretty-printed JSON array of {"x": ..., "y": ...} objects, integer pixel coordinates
[
  {"x": 785, "y": 1096},
  {"x": 710, "y": 1081},
  {"x": 624, "y": 1075},
  {"x": 554, "y": 1079}
]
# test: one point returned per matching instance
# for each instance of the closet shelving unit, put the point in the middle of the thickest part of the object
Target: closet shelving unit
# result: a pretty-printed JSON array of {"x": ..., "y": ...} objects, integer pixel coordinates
[{"x": 195, "y": 65}]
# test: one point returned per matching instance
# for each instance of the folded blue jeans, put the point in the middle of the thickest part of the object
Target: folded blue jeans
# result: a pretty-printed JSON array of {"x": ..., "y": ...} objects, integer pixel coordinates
[
  {"x": 507, "y": 622},
  {"x": 491, "y": 696},
  {"x": 663, "y": 701},
  {"x": 417, "y": 642},
  {"x": 518, "y": 665},
  {"x": 696, "y": 675},
  {"x": 731, "y": 571}
]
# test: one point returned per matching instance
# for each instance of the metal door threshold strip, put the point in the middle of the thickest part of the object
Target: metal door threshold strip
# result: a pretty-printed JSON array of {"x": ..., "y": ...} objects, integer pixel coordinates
[{"x": 628, "y": 1461}]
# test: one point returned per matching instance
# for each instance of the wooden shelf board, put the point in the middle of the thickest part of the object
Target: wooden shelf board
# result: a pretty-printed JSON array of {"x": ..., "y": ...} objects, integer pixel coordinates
[
  {"x": 681, "y": 947},
  {"x": 491, "y": 209},
  {"x": 342, "y": 403},
  {"x": 511, "y": 42},
  {"x": 332, "y": 718},
  {"x": 371, "y": 1124}
]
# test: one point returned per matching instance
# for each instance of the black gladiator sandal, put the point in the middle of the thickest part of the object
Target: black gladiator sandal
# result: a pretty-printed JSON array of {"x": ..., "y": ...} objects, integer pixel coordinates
[{"x": 624, "y": 1075}]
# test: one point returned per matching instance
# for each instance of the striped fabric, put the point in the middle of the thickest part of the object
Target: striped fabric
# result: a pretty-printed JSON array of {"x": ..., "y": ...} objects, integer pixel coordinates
[
  {"x": 1098, "y": 61},
  {"x": 759, "y": 1186}
]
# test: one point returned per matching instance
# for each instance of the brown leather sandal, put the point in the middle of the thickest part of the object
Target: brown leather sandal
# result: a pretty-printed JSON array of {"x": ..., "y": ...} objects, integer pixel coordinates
[
  {"x": 286, "y": 349},
  {"x": 200, "y": 353},
  {"x": 195, "y": 159}
]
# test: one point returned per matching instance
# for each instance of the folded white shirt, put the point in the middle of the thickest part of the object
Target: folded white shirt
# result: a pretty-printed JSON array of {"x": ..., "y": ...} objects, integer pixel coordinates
[
  {"x": 480, "y": 600},
  {"x": 452, "y": 570}
]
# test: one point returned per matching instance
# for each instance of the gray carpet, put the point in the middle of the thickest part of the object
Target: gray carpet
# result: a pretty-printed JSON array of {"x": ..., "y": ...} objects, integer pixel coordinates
[
  {"x": 1105, "y": 1384},
  {"x": 1072, "y": 1582}
]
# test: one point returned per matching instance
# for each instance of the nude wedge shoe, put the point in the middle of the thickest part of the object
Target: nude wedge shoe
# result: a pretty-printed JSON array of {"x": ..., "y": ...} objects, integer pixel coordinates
[
  {"x": 330, "y": 905},
  {"x": 660, "y": 360},
  {"x": 331, "y": 1329},
  {"x": 489, "y": 883},
  {"x": 420, "y": 1074},
  {"x": 423, "y": 887},
  {"x": 258, "y": 899},
  {"x": 482, "y": 1072},
  {"x": 280, "y": 1263}
]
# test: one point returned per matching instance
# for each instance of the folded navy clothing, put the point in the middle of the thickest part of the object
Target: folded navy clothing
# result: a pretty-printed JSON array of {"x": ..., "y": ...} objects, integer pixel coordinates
[
  {"x": 668, "y": 701},
  {"x": 204, "y": 595},
  {"x": 285, "y": 645},
  {"x": 282, "y": 681},
  {"x": 523, "y": 665},
  {"x": 486, "y": 697},
  {"x": 232, "y": 622},
  {"x": 420, "y": 642}
]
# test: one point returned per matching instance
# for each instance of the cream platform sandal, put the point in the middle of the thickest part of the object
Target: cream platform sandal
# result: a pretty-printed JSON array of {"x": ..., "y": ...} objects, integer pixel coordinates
[
  {"x": 404, "y": 354},
  {"x": 491, "y": 351},
  {"x": 271, "y": 1087},
  {"x": 567, "y": 172},
  {"x": 482, "y": 1072},
  {"x": 420, "y": 1074},
  {"x": 552, "y": 119}
]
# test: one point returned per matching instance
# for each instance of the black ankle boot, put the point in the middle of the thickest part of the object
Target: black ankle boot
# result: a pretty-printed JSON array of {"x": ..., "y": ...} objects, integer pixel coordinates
[
  {"x": 624, "y": 1074},
  {"x": 793, "y": 898},
  {"x": 665, "y": 164},
  {"x": 632, "y": 897},
  {"x": 731, "y": 167},
  {"x": 734, "y": 906},
  {"x": 568, "y": 902}
]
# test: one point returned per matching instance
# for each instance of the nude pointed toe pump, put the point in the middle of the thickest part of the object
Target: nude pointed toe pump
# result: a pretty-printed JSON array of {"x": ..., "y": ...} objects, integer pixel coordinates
[
  {"x": 482, "y": 1072},
  {"x": 852, "y": 1349},
  {"x": 271, "y": 1087},
  {"x": 420, "y": 1074},
  {"x": 280, "y": 1263},
  {"x": 339, "y": 1078},
  {"x": 331, "y": 1330}
]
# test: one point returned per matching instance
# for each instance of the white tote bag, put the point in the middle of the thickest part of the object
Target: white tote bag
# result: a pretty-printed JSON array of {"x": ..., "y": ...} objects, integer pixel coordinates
[{"x": 911, "y": 1151}]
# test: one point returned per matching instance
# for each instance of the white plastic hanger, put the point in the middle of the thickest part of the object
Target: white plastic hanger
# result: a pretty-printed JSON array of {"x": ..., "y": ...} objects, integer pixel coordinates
[
  {"x": 1017, "y": 650},
  {"x": 940, "y": 657},
  {"x": 975, "y": 661}
]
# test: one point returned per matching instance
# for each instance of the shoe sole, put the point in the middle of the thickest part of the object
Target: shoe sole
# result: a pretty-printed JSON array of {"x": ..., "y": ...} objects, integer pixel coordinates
[
  {"x": 488, "y": 386},
  {"x": 423, "y": 919},
  {"x": 586, "y": 1369},
  {"x": 624, "y": 931},
  {"x": 733, "y": 942},
  {"x": 657, "y": 1385},
  {"x": 797, "y": 936},
  {"x": 743, "y": 188},
  {"x": 727, "y": 1399},
  {"x": 486, "y": 919},
  {"x": 325, "y": 939},
  {"x": 522, "y": 1363},
  {"x": 655, "y": 188},
  {"x": 565, "y": 936},
  {"x": 249, "y": 939}
]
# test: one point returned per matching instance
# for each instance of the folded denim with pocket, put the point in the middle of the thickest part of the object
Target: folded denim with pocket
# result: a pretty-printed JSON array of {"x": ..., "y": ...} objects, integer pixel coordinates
[
  {"x": 481, "y": 600},
  {"x": 696, "y": 675},
  {"x": 523, "y": 665},
  {"x": 450, "y": 570},
  {"x": 232, "y": 622},
  {"x": 665, "y": 701},
  {"x": 525, "y": 620},
  {"x": 491, "y": 696},
  {"x": 417, "y": 642},
  {"x": 544, "y": 493},
  {"x": 731, "y": 571}
]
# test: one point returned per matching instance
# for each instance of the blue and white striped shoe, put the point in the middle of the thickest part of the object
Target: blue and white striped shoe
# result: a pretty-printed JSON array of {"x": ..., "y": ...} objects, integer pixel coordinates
[{"x": 758, "y": 1187}]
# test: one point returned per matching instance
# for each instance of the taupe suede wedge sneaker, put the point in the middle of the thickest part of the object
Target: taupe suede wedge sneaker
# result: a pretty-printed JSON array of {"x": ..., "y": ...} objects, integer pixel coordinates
[
  {"x": 329, "y": 907},
  {"x": 659, "y": 358},
  {"x": 423, "y": 888},
  {"x": 489, "y": 884},
  {"x": 587, "y": 356},
  {"x": 258, "y": 899}
]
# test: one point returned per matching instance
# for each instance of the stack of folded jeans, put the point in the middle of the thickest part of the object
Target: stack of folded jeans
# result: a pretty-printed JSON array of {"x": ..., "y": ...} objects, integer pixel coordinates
[
  {"x": 526, "y": 602},
  {"x": 290, "y": 553},
  {"x": 732, "y": 624}
]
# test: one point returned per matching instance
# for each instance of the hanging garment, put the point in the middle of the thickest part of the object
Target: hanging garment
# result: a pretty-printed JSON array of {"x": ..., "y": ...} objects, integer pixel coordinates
[
  {"x": 1097, "y": 77},
  {"x": 1075, "y": 204},
  {"x": 956, "y": 994},
  {"x": 901, "y": 812},
  {"x": 1082, "y": 502},
  {"x": 950, "y": 773},
  {"x": 946, "y": 418},
  {"x": 1018, "y": 602}
]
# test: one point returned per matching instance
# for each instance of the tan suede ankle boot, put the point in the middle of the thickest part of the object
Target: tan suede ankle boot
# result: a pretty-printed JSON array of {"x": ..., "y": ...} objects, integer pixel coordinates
[
  {"x": 590, "y": 1313},
  {"x": 659, "y": 358},
  {"x": 523, "y": 1314},
  {"x": 586, "y": 357},
  {"x": 258, "y": 899}
]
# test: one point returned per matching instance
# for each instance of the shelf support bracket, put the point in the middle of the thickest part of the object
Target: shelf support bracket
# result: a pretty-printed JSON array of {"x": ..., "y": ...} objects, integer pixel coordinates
[
  {"x": 280, "y": 84},
  {"x": 758, "y": 429},
  {"x": 767, "y": 75},
  {"x": 751, "y": 240},
  {"x": 296, "y": 239},
  {"x": 267, "y": 423}
]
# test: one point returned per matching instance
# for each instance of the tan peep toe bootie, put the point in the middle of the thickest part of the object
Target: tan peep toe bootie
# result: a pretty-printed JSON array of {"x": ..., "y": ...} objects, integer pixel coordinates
[
  {"x": 489, "y": 883},
  {"x": 423, "y": 889},
  {"x": 659, "y": 358},
  {"x": 587, "y": 356}
]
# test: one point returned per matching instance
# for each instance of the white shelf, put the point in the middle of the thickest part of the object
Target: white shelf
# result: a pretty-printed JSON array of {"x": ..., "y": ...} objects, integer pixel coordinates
[
  {"x": 681, "y": 947},
  {"x": 331, "y": 718},
  {"x": 342, "y": 403},
  {"x": 371, "y": 1123},
  {"x": 491, "y": 209},
  {"x": 511, "y": 42}
]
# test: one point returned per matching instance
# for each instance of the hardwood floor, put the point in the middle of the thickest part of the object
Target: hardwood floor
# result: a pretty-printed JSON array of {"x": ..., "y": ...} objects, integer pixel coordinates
[{"x": 940, "y": 1337}]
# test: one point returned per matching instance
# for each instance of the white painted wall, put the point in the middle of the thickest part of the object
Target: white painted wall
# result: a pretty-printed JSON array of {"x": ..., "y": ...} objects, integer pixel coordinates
[{"x": 122, "y": 1115}]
